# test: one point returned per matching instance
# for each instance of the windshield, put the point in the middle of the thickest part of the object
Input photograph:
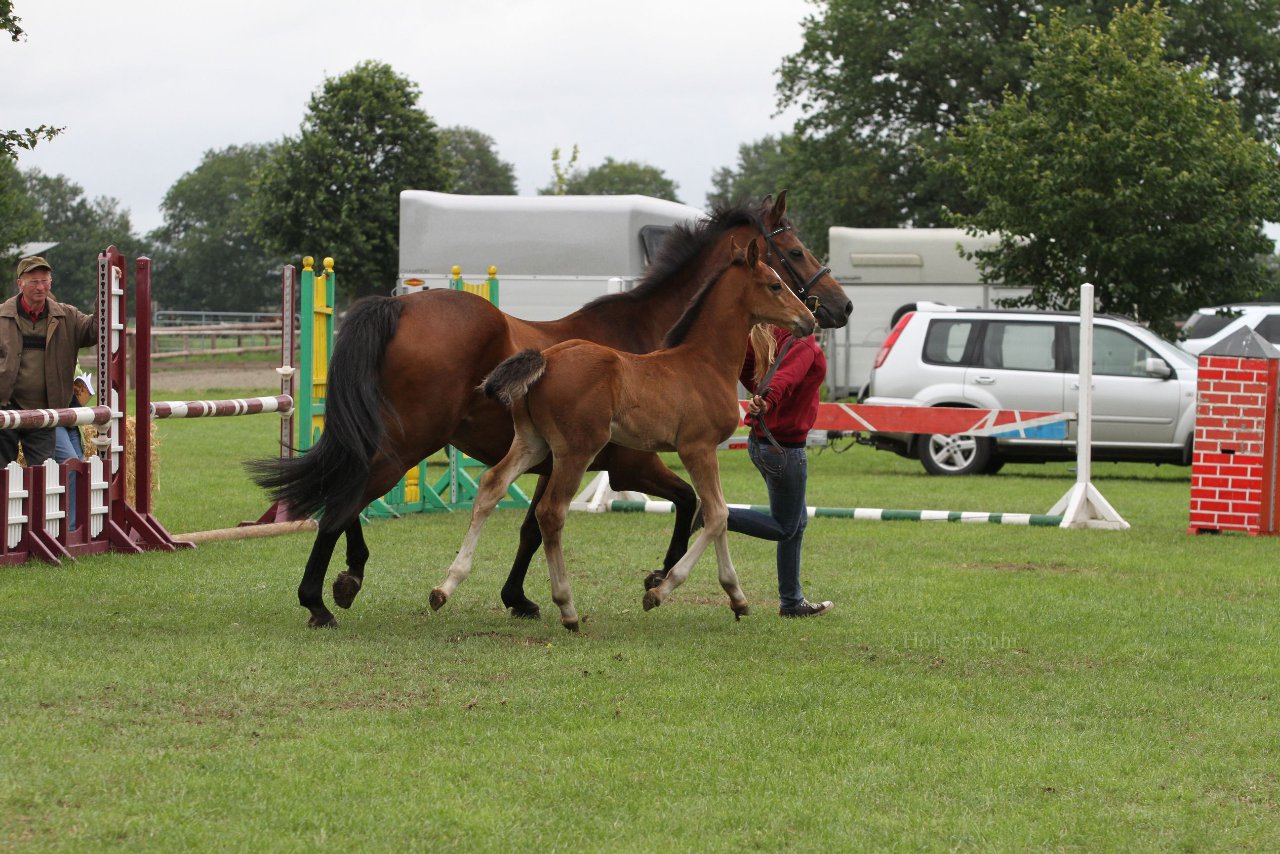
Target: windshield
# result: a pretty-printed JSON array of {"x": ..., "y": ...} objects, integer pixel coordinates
[{"x": 1201, "y": 325}]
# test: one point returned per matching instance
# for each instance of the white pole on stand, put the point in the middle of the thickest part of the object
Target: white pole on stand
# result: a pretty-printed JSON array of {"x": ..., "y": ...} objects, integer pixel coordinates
[{"x": 1083, "y": 506}]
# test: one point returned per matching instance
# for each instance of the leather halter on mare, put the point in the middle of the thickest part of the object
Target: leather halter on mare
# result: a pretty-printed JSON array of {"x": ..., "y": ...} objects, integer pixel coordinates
[{"x": 801, "y": 287}]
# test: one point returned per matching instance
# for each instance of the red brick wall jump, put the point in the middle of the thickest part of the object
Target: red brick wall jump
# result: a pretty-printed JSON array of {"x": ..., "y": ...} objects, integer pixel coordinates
[{"x": 1233, "y": 467}]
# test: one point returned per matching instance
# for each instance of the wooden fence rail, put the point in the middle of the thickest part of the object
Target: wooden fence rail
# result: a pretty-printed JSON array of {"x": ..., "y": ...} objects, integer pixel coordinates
[{"x": 192, "y": 337}]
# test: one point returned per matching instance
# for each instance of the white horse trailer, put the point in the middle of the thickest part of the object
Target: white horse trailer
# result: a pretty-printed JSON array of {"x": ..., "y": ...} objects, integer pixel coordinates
[
  {"x": 884, "y": 269},
  {"x": 553, "y": 253}
]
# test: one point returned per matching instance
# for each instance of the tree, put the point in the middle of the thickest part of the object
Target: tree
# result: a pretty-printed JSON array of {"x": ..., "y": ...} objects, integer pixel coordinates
[
  {"x": 477, "y": 169},
  {"x": 12, "y": 140},
  {"x": 82, "y": 228},
  {"x": 762, "y": 169},
  {"x": 560, "y": 173},
  {"x": 1118, "y": 168},
  {"x": 19, "y": 219},
  {"x": 335, "y": 188},
  {"x": 205, "y": 256},
  {"x": 616, "y": 178},
  {"x": 879, "y": 85}
]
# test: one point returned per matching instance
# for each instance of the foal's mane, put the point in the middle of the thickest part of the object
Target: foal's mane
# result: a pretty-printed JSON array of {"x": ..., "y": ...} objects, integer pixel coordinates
[
  {"x": 682, "y": 244},
  {"x": 680, "y": 331}
]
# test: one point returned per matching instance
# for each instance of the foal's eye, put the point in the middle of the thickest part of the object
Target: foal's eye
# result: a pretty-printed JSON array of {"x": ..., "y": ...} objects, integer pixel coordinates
[{"x": 775, "y": 288}]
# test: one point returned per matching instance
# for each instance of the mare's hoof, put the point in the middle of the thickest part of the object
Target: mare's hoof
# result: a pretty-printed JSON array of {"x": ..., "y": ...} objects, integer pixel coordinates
[
  {"x": 526, "y": 611},
  {"x": 345, "y": 588},
  {"x": 573, "y": 627},
  {"x": 651, "y": 600},
  {"x": 438, "y": 598},
  {"x": 740, "y": 611},
  {"x": 654, "y": 578},
  {"x": 322, "y": 621}
]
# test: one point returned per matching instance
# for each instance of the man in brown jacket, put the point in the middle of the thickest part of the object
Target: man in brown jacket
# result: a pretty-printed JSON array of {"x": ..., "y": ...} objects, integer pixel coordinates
[{"x": 39, "y": 341}]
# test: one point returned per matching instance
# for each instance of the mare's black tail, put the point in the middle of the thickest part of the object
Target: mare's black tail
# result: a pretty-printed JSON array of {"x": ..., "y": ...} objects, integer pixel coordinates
[{"x": 332, "y": 475}]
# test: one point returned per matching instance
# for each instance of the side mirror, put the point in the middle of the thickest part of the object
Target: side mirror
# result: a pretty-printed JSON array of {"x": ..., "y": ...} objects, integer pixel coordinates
[{"x": 1154, "y": 366}]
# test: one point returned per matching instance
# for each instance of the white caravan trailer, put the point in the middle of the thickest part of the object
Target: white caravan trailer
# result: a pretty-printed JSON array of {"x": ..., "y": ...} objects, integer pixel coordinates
[
  {"x": 884, "y": 269},
  {"x": 553, "y": 253}
]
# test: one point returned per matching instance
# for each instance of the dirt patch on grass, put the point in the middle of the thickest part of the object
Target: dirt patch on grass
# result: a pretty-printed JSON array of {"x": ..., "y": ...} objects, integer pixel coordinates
[
  {"x": 1055, "y": 567},
  {"x": 248, "y": 375}
]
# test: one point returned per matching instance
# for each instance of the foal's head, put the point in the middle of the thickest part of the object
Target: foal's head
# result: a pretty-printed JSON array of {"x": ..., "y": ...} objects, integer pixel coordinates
[{"x": 767, "y": 298}]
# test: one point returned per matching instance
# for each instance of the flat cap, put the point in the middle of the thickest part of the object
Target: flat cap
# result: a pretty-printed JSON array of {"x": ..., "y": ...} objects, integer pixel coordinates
[{"x": 33, "y": 262}]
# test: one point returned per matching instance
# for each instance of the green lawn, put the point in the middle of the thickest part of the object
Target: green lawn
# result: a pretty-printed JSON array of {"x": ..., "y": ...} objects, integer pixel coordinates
[{"x": 977, "y": 687}]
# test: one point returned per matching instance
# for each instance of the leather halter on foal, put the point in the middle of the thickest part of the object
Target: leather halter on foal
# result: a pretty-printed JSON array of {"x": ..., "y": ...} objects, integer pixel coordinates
[{"x": 801, "y": 287}]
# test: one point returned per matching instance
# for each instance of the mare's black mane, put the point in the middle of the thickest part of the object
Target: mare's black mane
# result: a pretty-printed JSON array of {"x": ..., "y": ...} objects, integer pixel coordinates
[{"x": 682, "y": 244}]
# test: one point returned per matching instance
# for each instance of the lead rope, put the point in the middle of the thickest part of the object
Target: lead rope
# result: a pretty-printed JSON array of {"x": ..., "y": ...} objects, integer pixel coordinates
[{"x": 763, "y": 389}]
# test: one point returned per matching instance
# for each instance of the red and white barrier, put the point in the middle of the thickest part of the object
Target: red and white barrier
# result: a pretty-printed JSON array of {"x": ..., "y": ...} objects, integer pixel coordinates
[{"x": 35, "y": 501}]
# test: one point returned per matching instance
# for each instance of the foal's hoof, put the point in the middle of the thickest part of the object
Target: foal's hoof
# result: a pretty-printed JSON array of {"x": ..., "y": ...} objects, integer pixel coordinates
[
  {"x": 345, "y": 588},
  {"x": 526, "y": 611},
  {"x": 322, "y": 621},
  {"x": 740, "y": 611},
  {"x": 654, "y": 578},
  {"x": 438, "y": 598},
  {"x": 573, "y": 626},
  {"x": 651, "y": 600}
]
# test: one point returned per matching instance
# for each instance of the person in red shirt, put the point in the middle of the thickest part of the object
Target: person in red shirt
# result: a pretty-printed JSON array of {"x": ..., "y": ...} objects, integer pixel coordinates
[{"x": 788, "y": 407}]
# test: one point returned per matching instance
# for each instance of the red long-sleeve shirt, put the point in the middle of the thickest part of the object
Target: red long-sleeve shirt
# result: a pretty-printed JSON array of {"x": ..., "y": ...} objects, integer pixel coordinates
[{"x": 793, "y": 391}]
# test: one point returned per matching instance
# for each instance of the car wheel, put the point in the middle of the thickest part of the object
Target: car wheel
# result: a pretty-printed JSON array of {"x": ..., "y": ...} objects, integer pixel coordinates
[{"x": 952, "y": 455}]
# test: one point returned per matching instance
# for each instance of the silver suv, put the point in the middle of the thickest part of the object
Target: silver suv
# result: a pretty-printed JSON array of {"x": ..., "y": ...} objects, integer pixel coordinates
[{"x": 1144, "y": 387}]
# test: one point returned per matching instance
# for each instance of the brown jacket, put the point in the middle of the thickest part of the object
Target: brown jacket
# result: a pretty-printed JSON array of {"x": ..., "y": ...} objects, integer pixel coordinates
[{"x": 69, "y": 331}]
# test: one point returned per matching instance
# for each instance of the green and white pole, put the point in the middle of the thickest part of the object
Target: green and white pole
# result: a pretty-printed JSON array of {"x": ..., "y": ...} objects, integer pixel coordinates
[{"x": 866, "y": 514}]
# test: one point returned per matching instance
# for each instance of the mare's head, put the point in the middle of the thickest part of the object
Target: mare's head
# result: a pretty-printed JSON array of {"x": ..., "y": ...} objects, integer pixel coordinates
[
  {"x": 764, "y": 294},
  {"x": 810, "y": 280}
]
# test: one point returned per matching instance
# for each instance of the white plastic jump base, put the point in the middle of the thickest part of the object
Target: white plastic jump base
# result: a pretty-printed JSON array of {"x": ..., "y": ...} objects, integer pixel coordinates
[
  {"x": 598, "y": 494},
  {"x": 1083, "y": 506}
]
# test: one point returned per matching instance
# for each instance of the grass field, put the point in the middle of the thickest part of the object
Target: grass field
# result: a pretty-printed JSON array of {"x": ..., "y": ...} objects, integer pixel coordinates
[{"x": 978, "y": 687}]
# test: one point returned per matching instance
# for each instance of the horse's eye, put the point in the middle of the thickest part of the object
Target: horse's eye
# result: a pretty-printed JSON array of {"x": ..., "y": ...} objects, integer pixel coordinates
[{"x": 797, "y": 253}]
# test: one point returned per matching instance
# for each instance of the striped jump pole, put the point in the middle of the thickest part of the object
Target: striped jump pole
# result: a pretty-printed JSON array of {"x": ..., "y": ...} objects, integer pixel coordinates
[
  {"x": 866, "y": 514},
  {"x": 281, "y": 403},
  {"x": 40, "y": 419}
]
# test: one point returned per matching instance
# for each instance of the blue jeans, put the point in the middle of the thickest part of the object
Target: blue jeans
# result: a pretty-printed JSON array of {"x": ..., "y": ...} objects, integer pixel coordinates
[
  {"x": 67, "y": 447},
  {"x": 785, "y": 476}
]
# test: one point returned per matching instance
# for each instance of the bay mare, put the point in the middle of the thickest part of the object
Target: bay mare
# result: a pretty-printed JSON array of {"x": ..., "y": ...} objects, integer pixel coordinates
[
  {"x": 382, "y": 417},
  {"x": 571, "y": 400}
]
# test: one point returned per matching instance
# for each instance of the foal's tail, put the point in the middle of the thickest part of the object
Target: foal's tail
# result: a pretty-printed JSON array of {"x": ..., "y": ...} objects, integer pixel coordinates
[
  {"x": 332, "y": 475},
  {"x": 513, "y": 378}
]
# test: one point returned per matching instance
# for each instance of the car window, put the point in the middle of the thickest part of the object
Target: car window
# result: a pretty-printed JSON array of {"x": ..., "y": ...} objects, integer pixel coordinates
[
  {"x": 1115, "y": 353},
  {"x": 1201, "y": 325},
  {"x": 1018, "y": 346},
  {"x": 1269, "y": 328},
  {"x": 946, "y": 341}
]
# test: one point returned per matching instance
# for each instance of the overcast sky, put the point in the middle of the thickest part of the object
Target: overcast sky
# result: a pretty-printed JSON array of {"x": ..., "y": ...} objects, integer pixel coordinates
[{"x": 145, "y": 88}]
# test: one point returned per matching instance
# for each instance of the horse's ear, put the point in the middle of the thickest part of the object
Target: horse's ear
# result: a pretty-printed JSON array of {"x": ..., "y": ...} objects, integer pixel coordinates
[
  {"x": 753, "y": 253},
  {"x": 734, "y": 248},
  {"x": 779, "y": 207}
]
